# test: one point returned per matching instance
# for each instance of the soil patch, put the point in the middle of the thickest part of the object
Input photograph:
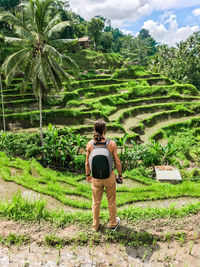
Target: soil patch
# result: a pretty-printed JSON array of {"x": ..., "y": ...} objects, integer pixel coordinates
[
  {"x": 102, "y": 256},
  {"x": 66, "y": 186},
  {"x": 127, "y": 182},
  {"x": 15, "y": 171},
  {"x": 78, "y": 198},
  {"x": 35, "y": 173},
  {"x": 160, "y": 254}
]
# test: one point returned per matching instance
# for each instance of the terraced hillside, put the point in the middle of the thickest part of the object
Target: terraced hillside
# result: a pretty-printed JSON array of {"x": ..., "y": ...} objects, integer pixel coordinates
[
  {"x": 145, "y": 107},
  {"x": 140, "y": 106}
]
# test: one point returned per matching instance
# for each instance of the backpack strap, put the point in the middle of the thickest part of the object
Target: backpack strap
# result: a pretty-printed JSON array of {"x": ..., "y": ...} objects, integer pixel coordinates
[
  {"x": 92, "y": 143},
  {"x": 102, "y": 144},
  {"x": 107, "y": 142}
]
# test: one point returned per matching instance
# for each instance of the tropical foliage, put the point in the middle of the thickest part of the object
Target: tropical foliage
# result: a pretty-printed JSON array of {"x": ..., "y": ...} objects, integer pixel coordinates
[
  {"x": 38, "y": 36},
  {"x": 181, "y": 63}
]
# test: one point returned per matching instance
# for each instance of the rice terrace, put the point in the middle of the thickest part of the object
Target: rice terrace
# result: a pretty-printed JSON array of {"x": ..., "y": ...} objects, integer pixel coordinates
[{"x": 59, "y": 74}]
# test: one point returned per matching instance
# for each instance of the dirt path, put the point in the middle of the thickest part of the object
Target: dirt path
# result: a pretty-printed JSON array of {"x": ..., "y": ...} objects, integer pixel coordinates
[
  {"x": 150, "y": 130},
  {"x": 164, "y": 203},
  {"x": 133, "y": 121},
  {"x": 116, "y": 115}
]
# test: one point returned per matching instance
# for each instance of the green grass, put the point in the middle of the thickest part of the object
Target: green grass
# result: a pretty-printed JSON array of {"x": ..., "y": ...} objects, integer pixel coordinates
[
  {"x": 13, "y": 239},
  {"x": 21, "y": 209},
  {"x": 51, "y": 183},
  {"x": 142, "y": 91}
]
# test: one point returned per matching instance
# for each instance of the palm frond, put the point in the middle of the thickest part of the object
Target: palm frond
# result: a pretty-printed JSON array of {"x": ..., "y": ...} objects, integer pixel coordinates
[
  {"x": 23, "y": 33},
  {"x": 58, "y": 43},
  {"x": 16, "y": 41},
  {"x": 52, "y": 23},
  {"x": 44, "y": 11},
  {"x": 35, "y": 85},
  {"x": 52, "y": 74},
  {"x": 16, "y": 67},
  {"x": 27, "y": 75},
  {"x": 12, "y": 61},
  {"x": 41, "y": 8},
  {"x": 61, "y": 72},
  {"x": 69, "y": 63},
  {"x": 10, "y": 18},
  {"x": 29, "y": 14},
  {"x": 56, "y": 69},
  {"x": 52, "y": 51},
  {"x": 58, "y": 28}
]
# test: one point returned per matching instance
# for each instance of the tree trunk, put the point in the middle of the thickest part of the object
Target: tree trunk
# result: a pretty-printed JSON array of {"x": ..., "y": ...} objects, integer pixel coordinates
[
  {"x": 40, "y": 107},
  {"x": 2, "y": 103}
]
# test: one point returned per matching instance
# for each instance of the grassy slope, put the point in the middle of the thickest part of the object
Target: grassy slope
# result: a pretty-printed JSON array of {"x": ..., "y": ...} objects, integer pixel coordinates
[{"x": 51, "y": 183}]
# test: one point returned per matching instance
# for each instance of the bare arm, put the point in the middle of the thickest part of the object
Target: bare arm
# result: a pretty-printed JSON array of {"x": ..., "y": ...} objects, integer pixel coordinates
[
  {"x": 117, "y": 160},
  {"x": 87, "y": 166}
]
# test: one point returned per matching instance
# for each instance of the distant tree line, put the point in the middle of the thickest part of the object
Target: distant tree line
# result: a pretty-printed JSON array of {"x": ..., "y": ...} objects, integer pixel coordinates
[{"x": 181, "y": 63}]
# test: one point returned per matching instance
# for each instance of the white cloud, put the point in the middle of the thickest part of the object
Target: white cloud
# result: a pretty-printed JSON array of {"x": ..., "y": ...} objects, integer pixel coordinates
[
  {"x": 128, "y": 32},
  {"x": 168, "y": 31},
  {"x": 196, "y": 12},
  {"x": 123, "y": 11}
]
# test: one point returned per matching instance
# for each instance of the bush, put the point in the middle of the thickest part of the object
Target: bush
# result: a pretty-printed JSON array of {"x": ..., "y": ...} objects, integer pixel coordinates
[
  {"x": 23, "y": 145},
  {"x": 79, "y": 162},
  {"x": 61, "y": 148},
  {"x": 144, "y": 155},
  {"x": 61, "y": 151}
]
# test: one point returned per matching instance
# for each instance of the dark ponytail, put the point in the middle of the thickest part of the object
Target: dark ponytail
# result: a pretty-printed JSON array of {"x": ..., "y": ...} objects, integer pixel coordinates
[{"x": 100, "y": 128}]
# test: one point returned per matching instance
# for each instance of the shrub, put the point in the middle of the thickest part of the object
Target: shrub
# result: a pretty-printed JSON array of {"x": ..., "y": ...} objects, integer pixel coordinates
[
  {"x": 147, "y": 155},
  {"x": 61, "y": 151},
  {"x": 79, "y": 162},
  {"x": 23, "y": 145}
]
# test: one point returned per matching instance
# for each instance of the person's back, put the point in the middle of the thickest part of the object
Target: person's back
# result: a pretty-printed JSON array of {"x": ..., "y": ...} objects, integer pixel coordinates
[{"x": 100, "y": 182}]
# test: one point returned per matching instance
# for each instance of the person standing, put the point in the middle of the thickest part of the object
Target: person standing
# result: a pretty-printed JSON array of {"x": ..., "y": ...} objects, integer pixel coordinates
[{"x": 99, "y": 155}]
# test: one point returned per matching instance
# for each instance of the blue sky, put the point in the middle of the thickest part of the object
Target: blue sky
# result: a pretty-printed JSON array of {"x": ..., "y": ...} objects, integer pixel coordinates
[
  {"x": 184, "y": 18},
  {"x": 168, "y": 21}
]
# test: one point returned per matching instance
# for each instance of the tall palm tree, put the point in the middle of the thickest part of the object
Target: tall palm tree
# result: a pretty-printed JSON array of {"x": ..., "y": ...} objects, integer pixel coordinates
[
  {"x": 39, "y": 57},
  {"x": 1, "y": 87}
]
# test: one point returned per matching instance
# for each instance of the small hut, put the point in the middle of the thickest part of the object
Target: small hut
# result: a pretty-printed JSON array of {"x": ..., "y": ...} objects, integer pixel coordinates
[{"x": 85, "y": 42}]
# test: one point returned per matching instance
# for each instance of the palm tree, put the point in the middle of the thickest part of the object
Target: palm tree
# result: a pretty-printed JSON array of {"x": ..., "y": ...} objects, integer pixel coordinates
[
  {"x": 1, "y": 88},
  {"x": 39, "y": 56}
]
